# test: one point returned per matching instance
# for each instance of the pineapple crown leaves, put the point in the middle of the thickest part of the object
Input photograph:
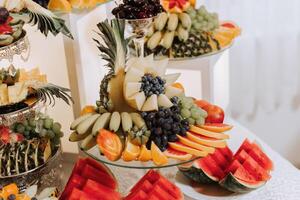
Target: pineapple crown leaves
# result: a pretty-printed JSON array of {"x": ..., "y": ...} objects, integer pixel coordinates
[
  {"x": 34, "y": 14},
  {"x": 48, "y": 92},
  {"x": 114, "y": 46}
]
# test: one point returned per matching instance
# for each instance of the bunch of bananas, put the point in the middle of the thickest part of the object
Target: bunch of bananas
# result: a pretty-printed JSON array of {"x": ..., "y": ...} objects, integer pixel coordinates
[{"x": 166, "y": 27}]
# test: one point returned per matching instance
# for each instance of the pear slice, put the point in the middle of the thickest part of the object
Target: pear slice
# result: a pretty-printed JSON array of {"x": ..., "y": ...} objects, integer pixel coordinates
[
  {"x": 137, "y": 101},
  {"x": 164, "y": 101},
  {"x": 161, "y": 67},
  {"x": 133, "y": 75},
  {"x": 172, "y": 92},
  {"x": 131, "y": 88},
  {"x": 151, "y": 103},
  {"x": 171, "y": 78}
]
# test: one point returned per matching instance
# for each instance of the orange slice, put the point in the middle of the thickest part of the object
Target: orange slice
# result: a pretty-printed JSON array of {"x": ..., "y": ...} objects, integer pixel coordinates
[
  {"x": 60, "y": 5},
  {"x": 9, "y": 189},
  {"x": 223, "y": 40},
  {"x": 206, "y": 133},
  {"x": 88, "y": 109},
  {"x": 195, "y": 145},
  {"x": 181, "y": 147},
  {"x": 178, "y": 155},
  {"x": 23, "y": 197},
  {"x": 131, "y": 152},
  {"x": 145, "y": 154},
  {"x": 206, "y": 141},
  {"x": 216, "y": 127},
  {"x": 158, "y": 157},
  {"x": 178, "y": 85}
]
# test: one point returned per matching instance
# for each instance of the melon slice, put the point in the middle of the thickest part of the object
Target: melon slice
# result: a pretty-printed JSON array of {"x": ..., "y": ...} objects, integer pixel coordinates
[
  {"x": 3, "y": 94},
  {"x": 137, "y": 101},
  {"x": 171, "y": 91},
  {"x": 131, "y": 88},
  {"x": 164, "y": 101},
  {"x": 206, "y": 141},
  {"x": 151, "y": 103},
  {"x": 161, "y": 67},
  {"x": 171, "y": 78},
  {"x": 206, "y": 133},
  {"x": 195, "y": 145},
  {"x": 178, "y": 155},
  {"x": 133, "y": 75},
  {"x": 181, "y": 147}
]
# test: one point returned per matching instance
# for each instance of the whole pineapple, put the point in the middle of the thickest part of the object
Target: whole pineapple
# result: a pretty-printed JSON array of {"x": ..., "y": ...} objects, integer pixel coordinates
[{"x": 113, "y": 50}]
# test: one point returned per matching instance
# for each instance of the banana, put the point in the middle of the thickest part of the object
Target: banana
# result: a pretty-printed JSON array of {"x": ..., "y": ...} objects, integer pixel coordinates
[
  {"x": 115, "y": 122},
  {"x": 173, "y": 22},
  {"x": 126, "y": 121},
  {"x": 185, "y": 20},
  {"x": 154, "y": 40},
  {"x": 182, "y": 33},
  {"x": 168, "y": 39},
  {"x": 102, "y": 122},
  {"x": 75, "y": 137},
  {"x": 80, "y": 119},
  {"x": 88, "y": 143},
  {"x": 87, "y": 124},
  {"x": 151, "y": 31},
  {"x": 161, "y": 21},
  {"x": 137, "y": 120}
]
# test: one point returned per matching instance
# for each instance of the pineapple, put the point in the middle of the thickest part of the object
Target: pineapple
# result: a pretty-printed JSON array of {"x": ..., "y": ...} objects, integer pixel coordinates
[{"x": 114, "y": 51}]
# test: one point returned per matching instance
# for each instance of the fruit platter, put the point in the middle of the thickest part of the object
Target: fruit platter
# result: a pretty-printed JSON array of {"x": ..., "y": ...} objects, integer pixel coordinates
[{"x": 189, "y": 32}]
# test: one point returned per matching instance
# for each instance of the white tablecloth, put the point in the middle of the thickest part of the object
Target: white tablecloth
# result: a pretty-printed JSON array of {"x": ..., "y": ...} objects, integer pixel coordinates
[{"x": 285, "y": 181}]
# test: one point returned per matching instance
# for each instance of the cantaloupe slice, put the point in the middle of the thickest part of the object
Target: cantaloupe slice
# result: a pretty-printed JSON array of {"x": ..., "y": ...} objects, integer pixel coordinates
[
  {"x": 195, "y": 145},
  {"x": 181, "y": 147},
  {"x": 206, "y": 141},
  {"x": 60, "y": 5},
  {"x": 206, "y": 133}
]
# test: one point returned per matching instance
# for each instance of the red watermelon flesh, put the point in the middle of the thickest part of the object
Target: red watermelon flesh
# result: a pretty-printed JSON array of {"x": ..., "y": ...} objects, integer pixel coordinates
[
  {"x": 79, "y": 166},
  {"x": 213, "y": 167},
  {"x": 169, "y": 187},
  {"x": 242, "y": 156},
  {"x": 227, "y": 153},
  {"x": 220, "y": 159},
  {"x": 145, "y": 186},
  {"x": 86, "y": 196},
  {"x": 233, "y": 167},
  {"x": 75, "y": 194},
  {"x": 246, "y": 146},
  {"x": 259, "y": 156},
  {"x": 242, "y": 174},
  {"x": 92, "y": 173},
  {"x": 139, "y": 195},
  {"x": 153, "y": 197},
  {"x": 160, "y": 193},
  {"x": 151, "y": 176},
  {"x": 101, "y": 191},
  {"x": 256, "y": 170},
  {"x": 75, "y": 181}
]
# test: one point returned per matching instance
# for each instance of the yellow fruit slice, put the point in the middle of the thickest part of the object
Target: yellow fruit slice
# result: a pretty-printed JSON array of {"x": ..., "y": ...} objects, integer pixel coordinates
[
  {"x": 60, "y": 5},
  {"x": 158, "y": 157},
  {"x": 178, "y": 155},
  {"x": 223, "y": 40},
  {"x": 195, "y": 145},
  {"x": 206, "y": 141},
  {"x": 206, "y": 133},
  {"x": 88, "y": 109},
  {"x": 145, "y": 154},
  {"x": 78, "y": 4},
  {"x": 181, "y": 147},
  {"x": 23, "y": 197},
  {"x": 131, "y": 152}
]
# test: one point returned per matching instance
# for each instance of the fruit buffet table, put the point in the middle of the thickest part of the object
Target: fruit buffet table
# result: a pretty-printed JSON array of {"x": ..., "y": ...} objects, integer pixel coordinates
[{"x": 284, "y": 184}]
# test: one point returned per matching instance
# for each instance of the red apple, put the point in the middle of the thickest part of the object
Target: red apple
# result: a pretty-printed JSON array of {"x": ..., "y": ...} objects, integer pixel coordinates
[
  {"x": 201, "y": 103},
  {"x": 215, "y": 114}
]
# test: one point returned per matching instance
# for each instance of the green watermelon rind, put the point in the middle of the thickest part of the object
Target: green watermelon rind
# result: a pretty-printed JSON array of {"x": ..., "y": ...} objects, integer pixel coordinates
[
  {"x": 198, "y": 175},
  {"x": 231, "y": 183}
]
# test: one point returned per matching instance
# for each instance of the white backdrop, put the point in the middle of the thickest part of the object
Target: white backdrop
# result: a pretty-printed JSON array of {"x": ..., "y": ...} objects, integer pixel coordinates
[{"x": 265, "y": 69}]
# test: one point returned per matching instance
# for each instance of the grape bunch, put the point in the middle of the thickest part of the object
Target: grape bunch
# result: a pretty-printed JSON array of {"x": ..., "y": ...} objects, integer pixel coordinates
[
  {"x": 41, "y": 128},
  {"x": 152, "y": 85},
  {"x": 137, "y": 9},
  {"x": 191, "y": 112},
  {"x": 165, "y": 124},
  {"x": 202, "y": 20}
]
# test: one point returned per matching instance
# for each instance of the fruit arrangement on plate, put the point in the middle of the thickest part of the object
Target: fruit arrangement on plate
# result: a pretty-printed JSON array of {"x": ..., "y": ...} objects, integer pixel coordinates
[
  {"x": 185, "y": 32},
  {"x": 143, "y": 114},
  {"x": 248, "y": 169},
  {"x": 12, "y": 192}
]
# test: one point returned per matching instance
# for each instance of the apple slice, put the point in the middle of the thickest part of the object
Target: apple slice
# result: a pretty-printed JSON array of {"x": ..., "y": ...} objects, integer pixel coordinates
[
  {"x": 133, "y": 75},
  {"x": 171, "y": 78},
  {"x": 137, "y": 101},
  {"x": 132, "y": 88},
  {"x": 151, "y": 103},
  {"x": 172, "y": 91},
  {"x": 164, "y": 101}
]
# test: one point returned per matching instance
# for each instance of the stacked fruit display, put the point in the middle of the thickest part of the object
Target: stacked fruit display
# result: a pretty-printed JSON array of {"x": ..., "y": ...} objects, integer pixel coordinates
[
  {"x": 143, "y": 113},
  {"x": 11, "y": 192},
  {"x": 189, "y": 33},
  {"x": 247, "y": 170}
]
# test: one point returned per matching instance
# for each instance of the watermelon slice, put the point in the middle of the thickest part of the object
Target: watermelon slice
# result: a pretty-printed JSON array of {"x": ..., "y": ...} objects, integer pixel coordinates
[
  {"x": 86, "y": 196},
  {"x": 242, "y": 156},
  {"x": 161, "y": 193},
  {"x": 145, "y": 186},
  {"x": 242, "y": 174},
  {"x": 233, "y": 167},
  {"x": 227, "y": 153},
  {"x": 246, "y": 146},
  {"x": 138, "y": 195},
  {"x": 75, "y": 194},
  {"x": 213, "y": 166},
  {"x": 169, "y": 187},
  {"x": 261, "y": 158},
  {"x": 220, "y": 159},
  {"x": 256, "y": 170},
  {"x": 100, "y": 191}
]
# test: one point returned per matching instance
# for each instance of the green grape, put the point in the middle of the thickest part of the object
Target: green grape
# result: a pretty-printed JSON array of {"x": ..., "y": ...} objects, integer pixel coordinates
[
  {"x": 199, "y": 18},
  {"x": 28, "y": 128},
  {"x": 200, "y": 121},
  {"x": 191, "y": 121},
  {"x": 20, "y": 128},
  {"x": 32, "y": 122},
  {"x": 185, "y": 113},
  {"x": 48, "y": 123},
  {"x": 26, "y": 133},
  {"x": 56, "y": 128},
  {"x": 195, "y": 113},
  {"x": 43, "y": 133},
  {"x": 25, "y": 123},
  {"x": 50, "y": 134}
]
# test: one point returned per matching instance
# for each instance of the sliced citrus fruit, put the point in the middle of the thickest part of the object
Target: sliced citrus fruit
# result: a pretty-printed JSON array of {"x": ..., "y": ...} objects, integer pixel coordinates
[
  {"x": 206, "y": 140},
  {"x": 78, "y": 4},
  {"x": 131, "y": 152},
  {"x": 60, "y": 5},
  {"x": 233, "y": 26},
  {"x": 195, "y": 145},
  {"x": 181, "y": 147},
  {"x": 88, "y": 109},
  {"x": 178, "y": 85},
  {"x": 179, "y": 155},
  {"x": 109, "y": 144},
  {"x": 223, "y": 40},
  {"x": 145, "y": 154},
  {"x": 206, "y": 133},
  {"x": 158, "y": 157},
  {"x": 216, "y": 127}
]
